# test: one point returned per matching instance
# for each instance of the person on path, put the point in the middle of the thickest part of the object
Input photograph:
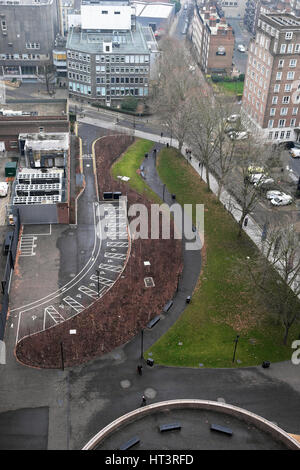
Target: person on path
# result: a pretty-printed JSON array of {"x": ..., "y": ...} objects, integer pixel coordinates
[
  {"x": 140, "y": 369},
  {"x": 143, "y": 401}
]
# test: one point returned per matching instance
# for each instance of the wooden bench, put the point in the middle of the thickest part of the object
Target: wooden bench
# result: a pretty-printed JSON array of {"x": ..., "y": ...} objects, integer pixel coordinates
[
  {"x": 170, "y": 427},
  {"x": 168, "y": 306},
  {"x": 132, "y": 442},
  {"x": 223, "y": 429},
  {"x": 153, "y": 321}
]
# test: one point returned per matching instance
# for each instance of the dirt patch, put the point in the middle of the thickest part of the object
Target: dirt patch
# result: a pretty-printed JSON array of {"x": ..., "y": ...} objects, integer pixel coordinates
[{"x": 128, "y": 306}]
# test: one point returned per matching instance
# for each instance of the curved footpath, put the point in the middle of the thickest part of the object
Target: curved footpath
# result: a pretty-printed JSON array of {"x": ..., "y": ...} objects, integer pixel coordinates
[{"x": 79, "y": 401}]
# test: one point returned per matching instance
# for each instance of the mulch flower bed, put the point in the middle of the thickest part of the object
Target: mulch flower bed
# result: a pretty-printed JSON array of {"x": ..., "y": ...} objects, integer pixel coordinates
[{"x": 126, "y": 308}]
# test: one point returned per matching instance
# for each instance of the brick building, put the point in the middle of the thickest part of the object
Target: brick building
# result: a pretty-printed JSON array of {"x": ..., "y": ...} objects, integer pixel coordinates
[
  {"x": 31, "y": 116},
  {"x": 213, "y": 41},
  {"x": 271, "y": 98},
  {"x": 27, "y": 37}
]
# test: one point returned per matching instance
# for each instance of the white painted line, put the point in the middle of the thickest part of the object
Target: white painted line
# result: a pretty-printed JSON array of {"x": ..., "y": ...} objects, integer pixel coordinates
[{"x": 73, "y": 304}]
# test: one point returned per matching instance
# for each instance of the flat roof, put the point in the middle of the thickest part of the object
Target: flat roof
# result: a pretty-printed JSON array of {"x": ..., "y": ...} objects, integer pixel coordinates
[
  {"x": 283, "y": 20},
  {"x": 42, "y": 107},
  {"x": 157, "y": 10},
  {"x": 46, "y": 141},
  {"x": 130, "y": 41}
]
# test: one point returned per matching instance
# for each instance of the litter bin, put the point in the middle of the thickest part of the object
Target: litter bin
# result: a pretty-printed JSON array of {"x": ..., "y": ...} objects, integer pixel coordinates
[
  {"x": 150, "y": 361},
  {"x": 266, "y": 364},
  {"x": 10, "y": 168}
]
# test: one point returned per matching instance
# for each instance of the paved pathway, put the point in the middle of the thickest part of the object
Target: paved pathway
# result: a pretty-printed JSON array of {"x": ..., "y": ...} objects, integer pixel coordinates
[{"x": 83, "y": 399}]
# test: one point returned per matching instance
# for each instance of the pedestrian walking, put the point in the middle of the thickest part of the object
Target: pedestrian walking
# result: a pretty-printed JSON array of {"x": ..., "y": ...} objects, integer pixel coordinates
[
  {"x": 161, "y": 134},
  {"x": 140, "y": 369},
  {"x": 245, "y": 221},
  {"x": 143, "y": 401}
]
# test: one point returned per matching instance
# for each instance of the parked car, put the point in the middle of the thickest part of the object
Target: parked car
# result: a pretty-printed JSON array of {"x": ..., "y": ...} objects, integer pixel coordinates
[
  {"x": 274, "y": 193},
  {"x": 3, "y": 189},
  {"x": 239, "y": 135},
  {"x": 241, "y": 48},
  {"x": 264, "y": 181},
  {"x": 282, "y": 201},
  {"x": 295, "y": 152}
]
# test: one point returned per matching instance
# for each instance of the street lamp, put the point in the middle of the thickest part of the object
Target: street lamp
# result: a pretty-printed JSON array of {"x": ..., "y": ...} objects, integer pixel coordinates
[
  {"x": 98, "y": 281},
  {"x": 164, "y": 192},
  {"x": 142, "y": 343},
  {"x": 236, "y": 342}
]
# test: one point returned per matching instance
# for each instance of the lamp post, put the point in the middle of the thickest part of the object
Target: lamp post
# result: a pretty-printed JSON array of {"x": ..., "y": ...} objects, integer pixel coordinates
[
  {"x": 236, "y": 342},
  {"x": 142, "y": 343},
  {"x": 164, "y": 192},
  {"x": 98, "y": 281}
]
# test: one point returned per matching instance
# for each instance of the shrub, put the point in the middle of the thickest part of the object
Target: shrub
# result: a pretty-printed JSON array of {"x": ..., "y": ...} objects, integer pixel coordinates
[{"x": 129, "y": 103}]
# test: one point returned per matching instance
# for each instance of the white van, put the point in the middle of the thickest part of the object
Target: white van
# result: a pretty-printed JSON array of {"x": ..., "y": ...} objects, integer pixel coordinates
[{"x": 295, "y": 152}]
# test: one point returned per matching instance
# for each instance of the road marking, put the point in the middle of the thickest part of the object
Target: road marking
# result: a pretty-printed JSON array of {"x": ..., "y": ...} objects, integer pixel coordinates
[
  {"x": 118, "y": 244},
  {"x": 74, "y": 304},
  {"x": 90, "y": 292},
  {"x": 102, "y": 280},
  {"x": 109, "y": 254},
  {"x": 114, "y": 269},
  {"x": 54, "y": 314}
]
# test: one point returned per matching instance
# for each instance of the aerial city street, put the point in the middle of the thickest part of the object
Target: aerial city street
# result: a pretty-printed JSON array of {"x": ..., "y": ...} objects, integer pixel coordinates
[{"x": 149, "y": 227}]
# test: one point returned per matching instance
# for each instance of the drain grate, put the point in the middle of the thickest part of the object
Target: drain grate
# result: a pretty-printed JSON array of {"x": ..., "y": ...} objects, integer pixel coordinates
[{"x": 149, "y": 282}]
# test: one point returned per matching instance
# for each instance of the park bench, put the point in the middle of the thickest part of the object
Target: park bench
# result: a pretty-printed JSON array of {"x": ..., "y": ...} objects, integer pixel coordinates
[
  {"x": 132, "y": 442},
  {"x": 169, "y": 427},
  {"x": 153, "y": 321},
  {"x": 168, "y": 306},
  {"x": 223, "y": 429}
]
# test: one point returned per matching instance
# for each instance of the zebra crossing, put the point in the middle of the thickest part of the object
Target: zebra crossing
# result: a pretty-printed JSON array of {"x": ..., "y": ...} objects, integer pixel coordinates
[{"x": 27, "y": 245}]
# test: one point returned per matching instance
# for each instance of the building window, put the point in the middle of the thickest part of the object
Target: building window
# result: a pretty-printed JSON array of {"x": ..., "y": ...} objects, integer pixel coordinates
[
  {"x": 288, "y": 134},
  {"x": 281, "y": 123},
  {"x": 293, "y": 122},
  {"x": 271, "y": 123},
  {"x": 290, "y": 75},
  {"x": 288, "y": 87},
  {"x": 274, "y": 99},
  {"x": 293, "y": 63},
  {"x": 297, "y": 48},
  {"x": 276, "y": 88},
  {"x": 272, "y": 111},
  {"x": 295, "y": 111},
  {"x": 283, "y": 111},
  {"x": 270, "y": 135},
  {"x": 282, "y": 48},
  {"x": 286, "y": 100},
  {"x": 288, "y": 35},
  {"x": 280, "y": 63},
  {"x": 290, "y": 48},
  {"x": 278, "y": 75},
  {"x": 104, "y": 12}
]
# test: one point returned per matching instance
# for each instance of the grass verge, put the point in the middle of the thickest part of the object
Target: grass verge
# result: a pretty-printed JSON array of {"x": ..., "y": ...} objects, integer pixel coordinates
[
  {"x": 222, "y": 305},
  {"x": 128, "y": 165}
]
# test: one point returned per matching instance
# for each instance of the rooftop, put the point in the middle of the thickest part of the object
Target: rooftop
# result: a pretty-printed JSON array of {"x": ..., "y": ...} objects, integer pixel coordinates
[
  {"x": 129, "y": 41},
  {"x": 46, "y": 141},
  {"x": 157, "y": 10},
  {"x": 42, "y": 107},
  {"x": 26, "y": 2},
  {"x": 282, "y": 20}
]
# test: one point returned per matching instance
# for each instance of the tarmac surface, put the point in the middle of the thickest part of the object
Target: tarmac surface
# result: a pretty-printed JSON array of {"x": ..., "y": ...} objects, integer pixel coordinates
[{"x": 82, "y": 400}]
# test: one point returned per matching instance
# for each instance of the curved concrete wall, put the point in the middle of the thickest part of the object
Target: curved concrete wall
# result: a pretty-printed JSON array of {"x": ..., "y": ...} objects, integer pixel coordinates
[{"x": 239, "y": 413}]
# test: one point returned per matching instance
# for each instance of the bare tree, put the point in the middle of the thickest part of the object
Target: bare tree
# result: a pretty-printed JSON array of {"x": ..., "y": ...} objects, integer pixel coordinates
[
  {"x": 276, "y": 275},
  {"x": 173, "y": 95},
  {"x": 252, "y": 158},
  {"x": 201, "y": 135}
]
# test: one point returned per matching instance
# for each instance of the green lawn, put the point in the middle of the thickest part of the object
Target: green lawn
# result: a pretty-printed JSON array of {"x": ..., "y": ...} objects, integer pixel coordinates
[
  {"x": 235, "y": 88},
  {"x": 129, "y": 164},
  {"x": 222, "y": 305}
]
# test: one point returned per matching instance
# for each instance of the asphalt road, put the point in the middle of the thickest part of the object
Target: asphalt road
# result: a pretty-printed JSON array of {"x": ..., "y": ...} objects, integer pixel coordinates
[{"x": 242, "y": 36}]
